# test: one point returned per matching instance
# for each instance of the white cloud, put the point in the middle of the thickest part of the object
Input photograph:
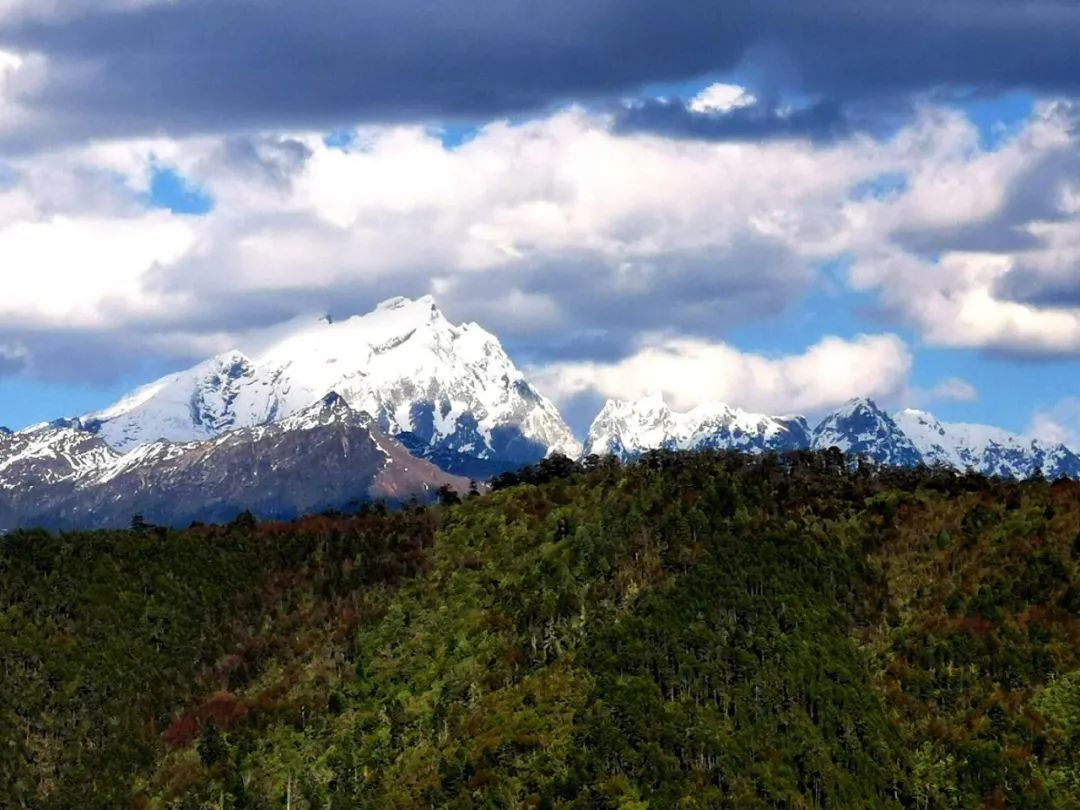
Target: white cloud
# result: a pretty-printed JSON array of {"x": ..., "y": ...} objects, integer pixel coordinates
[
  {"x": 953, "y": 302},
  {"x": 1058, "y": 423},
  {"x": 690, "y": 372},
  {"x": 86, "y": 272},
  {"x": 952, "y": 389},
  {"x": 656, "y": 228},
  {"x": 554, "y": 226},
  {"x": 721, "y": 98},
  {"x": 944, "y": 253}
]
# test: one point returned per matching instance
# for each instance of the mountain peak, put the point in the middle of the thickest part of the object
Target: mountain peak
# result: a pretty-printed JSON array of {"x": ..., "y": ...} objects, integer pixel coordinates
[
  {"x": 445, "y": 389},
  {"x": 627, "y": 429},
  {"x": 985, "y": 449},
  {"x": 857, "y": 405},
  {"x": 861, "y": 428},
  {"x": 329, "y": 409},
  {"x": 425, "y": 303},
  {"x": 333, "y": 401}
]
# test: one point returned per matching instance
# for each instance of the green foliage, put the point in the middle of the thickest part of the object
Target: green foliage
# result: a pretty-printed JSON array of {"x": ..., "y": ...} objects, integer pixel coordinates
[{"x": 701, "y": 630}]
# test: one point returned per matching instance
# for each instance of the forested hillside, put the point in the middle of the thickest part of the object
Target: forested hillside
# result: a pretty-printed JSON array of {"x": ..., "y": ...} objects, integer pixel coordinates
[{"x": 691, "y": 630}]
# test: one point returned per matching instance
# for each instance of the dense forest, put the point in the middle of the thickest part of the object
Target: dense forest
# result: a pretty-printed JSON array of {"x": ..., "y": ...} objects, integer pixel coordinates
[{"x": 690, "y": 630}]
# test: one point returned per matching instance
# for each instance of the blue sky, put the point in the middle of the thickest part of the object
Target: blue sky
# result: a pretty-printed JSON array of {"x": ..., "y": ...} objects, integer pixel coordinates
[{"x": 730, "y": 190}]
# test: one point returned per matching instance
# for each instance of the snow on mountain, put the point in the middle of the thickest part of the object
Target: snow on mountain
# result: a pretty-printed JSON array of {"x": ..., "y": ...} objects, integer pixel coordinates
[
  {"x": 858, "y": 428},
  {"x": 1059, "y": 461},
  {"x": 985, "y": 449},
  {"x": 188, "y": 406},
  {"x": 624, "y": 429},
  {"x": 49, "y": 454},
  {"x": 446, "y": 391},
  {"x": 404, "y": 380},
  {"x": 937, "y": 445},
  {"x": 627, "y": 429},
  {"x": 861, "y": 428},
  {"x": 326, "y": 456}
]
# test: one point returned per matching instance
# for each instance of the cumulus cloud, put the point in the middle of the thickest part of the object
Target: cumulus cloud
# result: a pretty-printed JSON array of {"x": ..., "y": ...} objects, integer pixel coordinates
[
  {"x": 690, "y": 372},
  {"x": 969, "y": 249},
  {"x": 86, "y": 272},
  {"x": 538, "y": 229},
  {"x": 565, "y": 236},
  {"x": 721, "y": 98}
]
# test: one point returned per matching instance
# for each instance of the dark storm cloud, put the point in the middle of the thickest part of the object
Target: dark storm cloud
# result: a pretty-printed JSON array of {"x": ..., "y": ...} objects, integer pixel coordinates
[
  {"x": 821, "y": 121},
  {"x": 205, "y": 64}
]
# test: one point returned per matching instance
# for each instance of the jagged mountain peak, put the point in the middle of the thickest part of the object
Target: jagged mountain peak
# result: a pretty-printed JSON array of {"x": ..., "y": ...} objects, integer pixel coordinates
[
  {"x": 644, "y": 408},
  {"x": 860, "y": 427},
  {"x": 324, "y": 456},
  {"x": 48, "y": 454},
  {"x": 330, "y": 409},
  {"x": 986, "y": 449},
  {"x": 448, "y": 391},
  {"x": 628, "y": 428},
  {"x": 399, "y": 302},
  {"x": 857, "y": 406}
]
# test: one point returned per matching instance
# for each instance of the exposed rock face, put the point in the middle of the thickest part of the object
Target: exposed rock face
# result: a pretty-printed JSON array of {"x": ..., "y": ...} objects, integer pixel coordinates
[
  {"x": 861, "y": 428},
  {"x": 325, "y": 456}
]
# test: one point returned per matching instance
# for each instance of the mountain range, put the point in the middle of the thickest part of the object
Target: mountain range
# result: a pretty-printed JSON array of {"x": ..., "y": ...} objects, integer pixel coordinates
[
  {"x": 859, "y": 428},
  {"x": 393, "y": 405}
]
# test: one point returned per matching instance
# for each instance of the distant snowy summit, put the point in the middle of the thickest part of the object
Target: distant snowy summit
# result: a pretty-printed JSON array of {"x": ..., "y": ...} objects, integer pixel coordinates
[
  {"x": 447, "y": 392},
  {"x": 986, "y": 449},
  {"x": 626, "y": 429},
  {"x": 859, "y": 428}
]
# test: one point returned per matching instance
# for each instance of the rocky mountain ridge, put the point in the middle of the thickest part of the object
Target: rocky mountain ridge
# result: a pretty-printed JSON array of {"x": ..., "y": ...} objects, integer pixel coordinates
[
  {"x": 860, "y": 428},
  {"x": 327, "y": 456}
]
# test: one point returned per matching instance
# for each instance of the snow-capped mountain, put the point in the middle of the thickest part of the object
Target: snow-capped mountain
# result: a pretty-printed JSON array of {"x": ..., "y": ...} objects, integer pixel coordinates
[
  {"x": 858, "y": 428},
  {"x": 627, "y": 429},
  {"x": 324, "y": 456},
  {"x": 391, "y": 404},
  {"x": 861, "y": 428},
  {"x": 985, "y": 449},
  {"x": 447, "y": 392},
  {"x": 51, "y": 454}
]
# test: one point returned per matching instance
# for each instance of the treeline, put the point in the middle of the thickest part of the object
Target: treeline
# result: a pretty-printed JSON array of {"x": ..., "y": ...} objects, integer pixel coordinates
[{"x": 691, "y": 630}]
